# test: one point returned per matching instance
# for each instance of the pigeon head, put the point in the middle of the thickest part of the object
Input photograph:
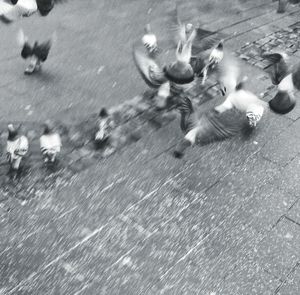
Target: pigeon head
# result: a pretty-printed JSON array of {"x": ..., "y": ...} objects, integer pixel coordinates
[
  {"x": 241, "y": 84},
  {"x": 45, "y": 6},
  {"x": 103, "y": 113},
  {"x": 189, "y": 27},
  {"x": 48, "y": 127},
  {"x": 220, "y": 45},
  {"x": 12, "y": 132}
]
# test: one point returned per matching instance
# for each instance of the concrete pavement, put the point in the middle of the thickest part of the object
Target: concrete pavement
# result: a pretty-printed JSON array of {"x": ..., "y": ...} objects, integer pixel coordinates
[{"x": 223, "y": 220}]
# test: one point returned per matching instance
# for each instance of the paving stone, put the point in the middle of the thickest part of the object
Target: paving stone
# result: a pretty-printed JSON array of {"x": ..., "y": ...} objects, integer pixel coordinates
[
  {"x": 291, "y": 285},
  {"x": 294, "y": 212},
  {"x": 279, "y": 252}
]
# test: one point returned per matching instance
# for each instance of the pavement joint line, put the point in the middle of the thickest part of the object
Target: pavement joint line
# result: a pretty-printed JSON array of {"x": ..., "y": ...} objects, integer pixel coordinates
[
  {"x": 259, "y": 26},
  {"x": 54, "y": 261},
  {"x": 283, "y": 282},
  {"x": 291, "y": 220}
]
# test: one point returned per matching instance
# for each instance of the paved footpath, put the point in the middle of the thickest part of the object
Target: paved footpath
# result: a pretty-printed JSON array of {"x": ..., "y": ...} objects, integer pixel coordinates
[{"x": 223, "y": 220}]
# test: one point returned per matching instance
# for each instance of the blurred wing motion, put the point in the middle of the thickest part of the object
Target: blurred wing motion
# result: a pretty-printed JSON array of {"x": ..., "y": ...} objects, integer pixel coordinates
[
  {"x": 210, "y": 126},
  {"x": 10, "y": 12},
  {"x": 42, "y": 50},
  {"x": 227, "y": 73},
  {"x": 277, "y": 67},
  {"x": 287, "y": 81},
  {"x": 150, "y": 71}
]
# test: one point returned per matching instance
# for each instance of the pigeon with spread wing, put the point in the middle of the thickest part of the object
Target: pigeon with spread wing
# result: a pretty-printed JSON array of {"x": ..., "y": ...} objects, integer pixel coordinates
[
  {"x": 38, "y": 52},
  {"x": 204, "y": 128},
  {"x": 13, "y": 10}
]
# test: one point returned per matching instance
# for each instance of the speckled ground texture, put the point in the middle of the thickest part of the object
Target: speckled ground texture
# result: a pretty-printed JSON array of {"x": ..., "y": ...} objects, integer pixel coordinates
[{"x": 224, "y": 220}]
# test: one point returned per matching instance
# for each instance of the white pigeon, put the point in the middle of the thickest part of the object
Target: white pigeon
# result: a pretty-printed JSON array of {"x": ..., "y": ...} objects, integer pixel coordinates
[
  {"x": 50, "y": 143},
  {"x": 287, "y": 79},
  {"x": 17, "y": 147},
  {"x": 149, "y": 40},
  {"x": 105, "y": 126},
  {"x": 214, "y": 59},
  {"x": 13, "y": 10}
]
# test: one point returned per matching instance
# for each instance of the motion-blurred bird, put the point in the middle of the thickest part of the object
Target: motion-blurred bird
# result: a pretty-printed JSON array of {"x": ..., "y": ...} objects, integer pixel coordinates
[
  {"x": 244, "y": 101},
  {"x": 105, "y": 126},
  {"x": 150, "y": 41},
  {"x": 12, "y": 10},
  {"x": 38, "y": 53},
  {"x": 214, "y": 59},
  {"x": 287, "y": 80},
  {"x": 17, "y": 147},
  {"x": 156, "y": 78},
  {"x": 203, "y": 128},
  {"x": 50, "y": 143}
]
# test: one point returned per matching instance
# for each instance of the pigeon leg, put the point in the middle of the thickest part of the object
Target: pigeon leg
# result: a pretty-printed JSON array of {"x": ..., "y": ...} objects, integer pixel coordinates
[
  {"x": 32, "y": 66},
  {"x": 16, "y": 163},
  {"x": 181, "y": 147}
]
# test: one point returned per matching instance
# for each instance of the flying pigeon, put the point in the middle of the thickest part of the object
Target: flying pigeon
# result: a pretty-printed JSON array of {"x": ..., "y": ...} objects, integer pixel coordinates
[
  {"x": 214, "y": 59},
  {"x": 50, "y": 143},
  {"x": 244, "y": 101},
  {"x": 38, "y": 53},
  {"x": 155, "y": 76},
  {"x": 16, "y": 148},
  {"x": 287, "y": 80},
  {"x": 203, "y": 128},
  {"x": 180, "y": 31},
  {"x": 12, "y": 10},
  {"x": 150, "y": 41}
]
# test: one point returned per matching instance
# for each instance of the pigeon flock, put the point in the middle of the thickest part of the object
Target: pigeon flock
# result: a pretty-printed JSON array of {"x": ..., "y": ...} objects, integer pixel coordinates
[{"x": 198, "y": 53}]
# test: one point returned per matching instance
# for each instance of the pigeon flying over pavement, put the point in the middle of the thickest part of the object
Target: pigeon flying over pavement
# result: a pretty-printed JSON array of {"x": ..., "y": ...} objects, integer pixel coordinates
[
  {"x": 13, "y": 10},
  {"x": 50, "y": 143},
  {"x": 16, "y": 148},
  {"x": 150, "y": 41},
  {"x": 207, "y": 127},
  {"x": 244, "y": 101},
  {"x": 287, "y": 80},
  {"x": 38, "y": 53}
]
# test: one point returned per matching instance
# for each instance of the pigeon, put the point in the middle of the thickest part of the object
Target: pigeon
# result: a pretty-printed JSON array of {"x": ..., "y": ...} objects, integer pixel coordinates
[
  {"x": 17, "y": 147},
  {"x": 38, "y": 53},
  {"x": 155, "y": 76},
  {"x": 105, "y": 126},
  {"x": 150, "y": 41},
  {"x": 244, "y": 101},
  {"x": 287, "y": 80},
  {"x": 13, "y": 10},
  {"x": 50, "y": 143},
  {"x": 214, "y": 59},
  {"x": 203, "y": 128},
  {"x": 180, "y": 31}
]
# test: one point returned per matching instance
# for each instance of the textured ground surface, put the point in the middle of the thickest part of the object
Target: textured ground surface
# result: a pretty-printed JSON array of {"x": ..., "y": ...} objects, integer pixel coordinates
[{"x": 223, "y": 220}]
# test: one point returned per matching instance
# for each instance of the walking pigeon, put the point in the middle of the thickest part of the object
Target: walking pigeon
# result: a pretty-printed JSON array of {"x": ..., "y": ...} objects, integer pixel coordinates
[
  {"x": 12, "y": 10},
  {"x": 287, "y": 80},
  {"x": 105, "y": 126},
  {"x": 50, "y": 143},
  {"x": 16, "y": 148},
  {"x": 38, "y": 53}
]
